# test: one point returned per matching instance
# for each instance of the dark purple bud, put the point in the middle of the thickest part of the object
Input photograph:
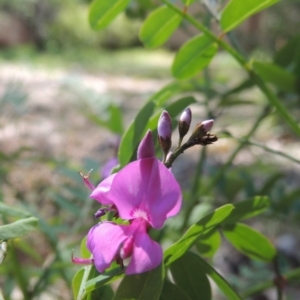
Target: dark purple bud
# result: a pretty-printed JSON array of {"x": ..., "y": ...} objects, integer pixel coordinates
[
  {"x": 164, "y": 130},
  {"x": 99, "y": 213},
  {"x": 184, "y": 122}
]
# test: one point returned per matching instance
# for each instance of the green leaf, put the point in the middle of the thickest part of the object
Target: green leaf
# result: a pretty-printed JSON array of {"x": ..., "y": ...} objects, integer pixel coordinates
[
  {"x": 274, "y": 74},
  {"x": 104, "y": 293},
  {"x": 271, "y": 183},
  {"x": 159, "y": 26},
  {"x": 223, "y": 285},
  {"x": 187, "y": 2},
  {"x": 115, "y": 122},
  {"x": 84, "y": 252},
  {"x": 145, "y": 286},
  {"x": 247, "y": 209},
  {"x": 18, "y": 228},
  {"x": 102, "y": 12},
  {"x": 102, "y": 279},
  {"x": 195, "y": 231},
  {"x": 208, "y": 244},
  {"x": 189, "y": 276},
  {"x": 194, "y": 56},
  {"x": 9, "y": 211},
  {"x": 236, "y": 11},
  {"x": 249, "y": 241},
  {"x": 76, "y": 281},
  {"x": 287, "y": 56},
  {"x": 134, "y": 133},
  {"x": 174, "y": 109},
  {"x": 172, "y": 291}
]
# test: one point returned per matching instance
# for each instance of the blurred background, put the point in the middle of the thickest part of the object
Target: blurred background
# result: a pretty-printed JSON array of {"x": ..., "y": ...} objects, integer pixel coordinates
[{"x": 60, "y": 83}]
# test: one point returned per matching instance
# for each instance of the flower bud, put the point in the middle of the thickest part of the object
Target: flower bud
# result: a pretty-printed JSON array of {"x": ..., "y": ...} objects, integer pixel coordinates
[
  {"x": 164, "y": 130},
  {"x": 146, "y": 147},
  {"x": 208, "y": 124},
  {"x": 185, "y": 122},
  {"x": 201, "y": 130}
]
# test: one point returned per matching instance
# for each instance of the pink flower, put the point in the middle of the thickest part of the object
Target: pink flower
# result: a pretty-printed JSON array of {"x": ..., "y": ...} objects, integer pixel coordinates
[{"x": 145, "y": 193}]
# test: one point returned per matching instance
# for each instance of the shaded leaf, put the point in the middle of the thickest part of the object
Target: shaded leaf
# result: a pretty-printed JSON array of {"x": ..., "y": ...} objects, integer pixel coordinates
[
  {"x": 249, "y": 241},
  {"x": 102, "y": 12},
  {"x": 208, "y": 244},
  {"x": 274, "y": 74},
  {"x": 195, "y": 231},
  {"x": 190, "y": 277},
  {"x": 18, "y": 228},
  {"x": 172, "y": 291},
  {"x": 145, "y": 286},
  {"x": 223, "y": 285},
  {"x": 236, "y": 11},
  {"x": 270, "y": 183},
  {"x": 288, "y": 54},
  {"x": 159, "y": 26},
  {"x": 193, "y": 56}
]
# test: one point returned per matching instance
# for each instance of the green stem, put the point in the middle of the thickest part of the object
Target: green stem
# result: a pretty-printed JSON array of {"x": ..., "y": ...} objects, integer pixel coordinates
[
  {"x": 257, "y": 289},
  {"x": 19, "y": 275},
  {"x": 242, "y": 61},
  {"x": 270, "y": 150}
]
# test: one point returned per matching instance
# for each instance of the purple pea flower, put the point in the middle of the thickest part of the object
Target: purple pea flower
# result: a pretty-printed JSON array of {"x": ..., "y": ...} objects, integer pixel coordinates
[{"x": 145, "y": 193}]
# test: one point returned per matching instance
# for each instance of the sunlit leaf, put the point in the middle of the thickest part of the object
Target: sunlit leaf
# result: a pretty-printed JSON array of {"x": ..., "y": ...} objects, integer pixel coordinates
[
  {"x": 76, "y": 281},
  {"x": 9, "y": 211},
  {"x": 18, "y": 228},
  {"x": 249, "y": 241},
  {"x": 159, "y": 26},
  {"x": 145, "y": 286},
  {"x": 248, "y": 209},
  {"x": 193, "y": 56},
  {"x": 104, "y": 278},
  {"x": 102, "y": 12},
  {"x": 195, "y": 231},
  {"x": 190, "y": 277},
  {"x": 236, "y": 11}
]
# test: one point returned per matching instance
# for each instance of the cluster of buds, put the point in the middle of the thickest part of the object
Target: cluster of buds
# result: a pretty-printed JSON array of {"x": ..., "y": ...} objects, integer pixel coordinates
[{"x": 200, "y": 135}]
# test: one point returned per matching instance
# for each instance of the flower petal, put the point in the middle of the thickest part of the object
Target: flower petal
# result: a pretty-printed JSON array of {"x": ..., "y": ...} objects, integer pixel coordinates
[
  {"x": 146, "y": 185},
  {"x": 147, "y": 254},
  {"x": 146, "y": 147},
  {"x": 100, "y": 192},
  {"x": 103, "y": 241}
]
